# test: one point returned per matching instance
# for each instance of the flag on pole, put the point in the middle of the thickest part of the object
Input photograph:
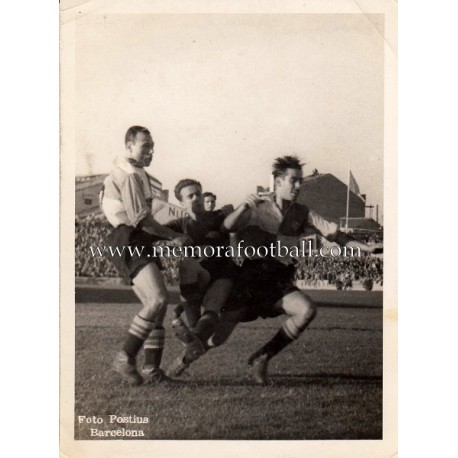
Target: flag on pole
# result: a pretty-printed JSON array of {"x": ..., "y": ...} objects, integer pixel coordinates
[{"x": 353, "y": 186}]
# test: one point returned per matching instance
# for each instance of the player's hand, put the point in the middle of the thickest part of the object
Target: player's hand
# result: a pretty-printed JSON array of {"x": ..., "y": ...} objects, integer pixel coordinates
[
  {"x": 251, "y": 201},
  {"x": 182, "y": 240},
  {"x": 226, "y": 209}
]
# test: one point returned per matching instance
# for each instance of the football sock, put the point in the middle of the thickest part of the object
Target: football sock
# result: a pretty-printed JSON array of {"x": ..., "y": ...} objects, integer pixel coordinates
[
  {"x": 275, "y": 345},
  {"x": 222, "y": 332},
  {"x": 210, "y": 343},
  {"x": 192, "y": 312},
  {"x": 206, "y": 325},
  {"x": 193, "y": 295},
  {"x": 138, "y": 332},
  {"x": 154, "y": 346},
  {"x": 178, "y": 310}
]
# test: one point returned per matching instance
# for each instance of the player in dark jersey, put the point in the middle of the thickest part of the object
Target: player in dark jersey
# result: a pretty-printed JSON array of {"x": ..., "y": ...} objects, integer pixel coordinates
[
  {"x": 204, "y": 283},
  {"x": 266, "y": 286}
]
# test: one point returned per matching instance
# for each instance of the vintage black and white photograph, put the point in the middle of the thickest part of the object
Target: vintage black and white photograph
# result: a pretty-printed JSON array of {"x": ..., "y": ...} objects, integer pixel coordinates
[{"x": 226, "y": 211}]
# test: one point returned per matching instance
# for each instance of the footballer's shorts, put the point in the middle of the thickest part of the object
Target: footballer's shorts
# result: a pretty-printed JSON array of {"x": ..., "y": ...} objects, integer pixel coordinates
[
  {"x": 221, "y": 268},
  {"x": 260, "y": 285},
  {"x": 129, "y": 265}
]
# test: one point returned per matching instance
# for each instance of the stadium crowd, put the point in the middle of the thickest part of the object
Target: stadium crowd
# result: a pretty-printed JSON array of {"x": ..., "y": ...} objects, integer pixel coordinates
[
  {"x": 92, "y": 231},
  {"x": 316, "y": 271}
]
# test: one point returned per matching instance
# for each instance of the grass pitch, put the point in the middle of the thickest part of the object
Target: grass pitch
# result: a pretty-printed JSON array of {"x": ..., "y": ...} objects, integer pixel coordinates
[{"x": 326, "y": 385}]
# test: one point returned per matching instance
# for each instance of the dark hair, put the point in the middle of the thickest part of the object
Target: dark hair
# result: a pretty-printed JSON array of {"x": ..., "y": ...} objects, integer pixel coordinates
[
  {"x": 132, "y": 132},
  {"x": 182, "y": 184},
  {"x": 208, "y": 194},
  {"x": 282, "y": 164}
]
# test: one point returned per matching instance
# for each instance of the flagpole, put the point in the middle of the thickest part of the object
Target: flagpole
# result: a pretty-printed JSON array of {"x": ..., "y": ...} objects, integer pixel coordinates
[{"x": 348, "y": 202}]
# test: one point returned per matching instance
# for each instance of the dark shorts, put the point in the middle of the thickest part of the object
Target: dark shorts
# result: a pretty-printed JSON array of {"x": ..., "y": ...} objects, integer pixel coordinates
[
  {"x": 221, "y": 268},
  {"x": 127, "y": 265},
  {"x": 261, "y": 284}
]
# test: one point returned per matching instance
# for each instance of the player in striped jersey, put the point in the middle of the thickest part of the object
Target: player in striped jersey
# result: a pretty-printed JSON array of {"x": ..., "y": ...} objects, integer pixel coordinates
[
  {"x": 126, "y": 202},
  {"x": 266, "y": 287}
]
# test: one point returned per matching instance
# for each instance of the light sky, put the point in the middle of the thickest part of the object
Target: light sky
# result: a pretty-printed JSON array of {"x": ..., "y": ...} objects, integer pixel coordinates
[{"x": 223, "y": 95}]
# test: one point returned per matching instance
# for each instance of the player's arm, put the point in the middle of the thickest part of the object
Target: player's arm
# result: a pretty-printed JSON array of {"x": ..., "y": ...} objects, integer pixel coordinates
[
  {"x": 331, "y": 231},
  {"x": 226, "y": 210},
  {"x": 150, "y": 225},
  {"x": 238, "y": 219},
  {"x": 178, "y": 227},
  {"x": 375, "y": 248},
  {"x": 222, "y": 213},
  {"x": 139, "y": 212}
]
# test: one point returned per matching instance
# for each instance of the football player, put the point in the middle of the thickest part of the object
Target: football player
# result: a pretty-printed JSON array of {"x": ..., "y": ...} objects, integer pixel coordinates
[
  {"x": 209, "y": 201},
  {"x": 204, "y": 283},
  {"x": 126, "y": 202},
  {"x": 266, "y": 286}
]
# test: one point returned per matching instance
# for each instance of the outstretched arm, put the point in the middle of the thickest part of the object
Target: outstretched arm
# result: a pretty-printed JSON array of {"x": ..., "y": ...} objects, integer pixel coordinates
[
  {"x": 376, "y": 248},
  {"x": 330, "y": 231}
]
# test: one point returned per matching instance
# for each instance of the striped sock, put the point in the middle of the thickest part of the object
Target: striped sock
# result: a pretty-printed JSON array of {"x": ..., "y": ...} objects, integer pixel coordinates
[
  {"x": 138, "y": 332},
  {"x": 154, "y": 346}
]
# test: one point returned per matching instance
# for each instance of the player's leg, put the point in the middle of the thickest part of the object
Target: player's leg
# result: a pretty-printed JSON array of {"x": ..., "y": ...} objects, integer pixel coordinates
[
  {"x": 193, "y": 280},
  {"x": 190, "y": 304},
  {"x": 214, "y": 300},
  {"x": 301, "y": 311},
  {"x": 226, "y": 325},
  {"x": 146, "y": 326},
  {"x": 153, "y": 345}
]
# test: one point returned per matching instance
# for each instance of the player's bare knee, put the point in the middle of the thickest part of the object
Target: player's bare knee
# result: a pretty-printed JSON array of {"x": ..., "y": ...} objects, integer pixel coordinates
[
  {"x": 312, "y": 310},
  {"x": 307, "y": 312},
  {"x": 155, "y": 306}
]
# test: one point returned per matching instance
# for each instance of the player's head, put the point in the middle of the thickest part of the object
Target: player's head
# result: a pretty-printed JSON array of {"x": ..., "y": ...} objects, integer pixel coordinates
[
  {"x": 287, "y": 172},
  {"x": 189, "y": 193},
  {"x": 139, "y": 146},
  {"x": 209, "y": 201}
]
